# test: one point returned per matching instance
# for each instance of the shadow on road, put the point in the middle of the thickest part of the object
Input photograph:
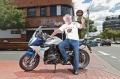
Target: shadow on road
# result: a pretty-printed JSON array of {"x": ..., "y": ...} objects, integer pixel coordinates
[{"x": 47, "y": 73}]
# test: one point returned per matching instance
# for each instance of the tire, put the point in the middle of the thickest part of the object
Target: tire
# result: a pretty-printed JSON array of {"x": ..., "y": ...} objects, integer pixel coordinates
[
  {"x": 84, "y": 59},
  {"x": 28, "y": 64}
]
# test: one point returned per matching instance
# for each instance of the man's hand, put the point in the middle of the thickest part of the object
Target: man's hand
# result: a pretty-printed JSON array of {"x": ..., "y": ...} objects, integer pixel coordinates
[
  {"x": 51, "y": 36},
  {"x": 82, "y": 20}
]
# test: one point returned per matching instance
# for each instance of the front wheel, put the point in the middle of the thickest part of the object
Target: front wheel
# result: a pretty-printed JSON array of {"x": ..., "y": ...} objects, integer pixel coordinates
[
  {"x": 84, "y": 59},
  {"x": 29, "y": 63}
]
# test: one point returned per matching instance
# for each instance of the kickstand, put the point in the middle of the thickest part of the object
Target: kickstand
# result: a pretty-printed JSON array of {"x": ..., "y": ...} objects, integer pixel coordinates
[{"x": 55, "y": 68}]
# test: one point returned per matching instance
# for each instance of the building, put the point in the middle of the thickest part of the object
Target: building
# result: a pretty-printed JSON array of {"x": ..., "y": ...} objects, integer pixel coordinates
[
  {"x": 48, "y": 13},
  {"x": 112, "y": 22}
]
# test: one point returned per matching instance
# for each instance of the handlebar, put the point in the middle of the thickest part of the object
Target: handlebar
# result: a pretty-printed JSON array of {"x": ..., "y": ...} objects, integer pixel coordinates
[
  {"x": 50, "y": 38},
  {"x": 42, "y": 35}
]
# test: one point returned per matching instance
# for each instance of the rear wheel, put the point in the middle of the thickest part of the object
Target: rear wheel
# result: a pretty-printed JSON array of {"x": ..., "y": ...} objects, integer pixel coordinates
[
  {"x": 84, "y": 59},
  {"x": 27, "y": 63}
]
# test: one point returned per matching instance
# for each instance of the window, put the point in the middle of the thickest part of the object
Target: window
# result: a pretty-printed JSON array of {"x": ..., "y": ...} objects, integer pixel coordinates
[
  {"x": 43, "y": 11},
  {"x": 53, "y": 10},
  {"x": 65, "y": 10},
  {"x": 15, "y": 32},
  {"x": 31, "y": 12}
]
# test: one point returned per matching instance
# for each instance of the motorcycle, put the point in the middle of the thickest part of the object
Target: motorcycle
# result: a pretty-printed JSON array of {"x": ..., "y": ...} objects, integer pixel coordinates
[{"x": 46, "y": 49}]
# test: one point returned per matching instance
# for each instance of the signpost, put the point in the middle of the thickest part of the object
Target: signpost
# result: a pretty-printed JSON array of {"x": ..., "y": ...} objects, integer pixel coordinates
[{"x": 79, "y": 13}]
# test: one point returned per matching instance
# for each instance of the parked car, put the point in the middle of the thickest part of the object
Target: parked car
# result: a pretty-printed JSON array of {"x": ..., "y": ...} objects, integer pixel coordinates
[
  {"x": 112, "y": 42},
  {"x": 117, "y": 42},
  {"x": 105, "y": 42},
  {"x": 97, "y": 40},
  {"x": 93, "y": 43}
]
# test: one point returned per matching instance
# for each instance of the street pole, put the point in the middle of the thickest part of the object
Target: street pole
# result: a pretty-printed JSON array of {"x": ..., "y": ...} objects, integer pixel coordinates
[{"x": 88, "y": 24}]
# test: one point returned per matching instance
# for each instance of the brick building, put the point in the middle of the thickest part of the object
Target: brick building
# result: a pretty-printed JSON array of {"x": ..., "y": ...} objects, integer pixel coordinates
[{"x": 47, "y": 13}]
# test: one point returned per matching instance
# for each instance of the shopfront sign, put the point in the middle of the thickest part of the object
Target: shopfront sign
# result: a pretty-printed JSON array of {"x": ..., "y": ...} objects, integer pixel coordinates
[{"x": 50, "y": 22}]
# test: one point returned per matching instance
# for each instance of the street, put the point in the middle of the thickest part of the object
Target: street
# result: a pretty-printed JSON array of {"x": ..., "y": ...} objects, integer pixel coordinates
[
  {"x": 11, "y": 55},
  {"x": 96, "y": 69},
  {"x": 111, "y": 54}
]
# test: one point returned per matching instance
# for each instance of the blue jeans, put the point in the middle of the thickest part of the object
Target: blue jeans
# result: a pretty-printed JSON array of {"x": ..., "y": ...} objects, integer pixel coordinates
[{"x": 75, "y": 45}]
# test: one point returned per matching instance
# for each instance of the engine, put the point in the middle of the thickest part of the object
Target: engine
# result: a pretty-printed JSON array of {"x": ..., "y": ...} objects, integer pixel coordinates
[{"x": 51, "y": 55}]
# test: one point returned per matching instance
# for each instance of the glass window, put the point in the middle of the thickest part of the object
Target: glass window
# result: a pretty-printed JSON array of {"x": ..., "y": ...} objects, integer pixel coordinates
[
  {"x": 65, "y": 10},
  {"x": 15, "y": 32},
  {"x": 43, "y": 11},
  {"x": 53, "y": 10},
  {"x": 31, "y": 12}
]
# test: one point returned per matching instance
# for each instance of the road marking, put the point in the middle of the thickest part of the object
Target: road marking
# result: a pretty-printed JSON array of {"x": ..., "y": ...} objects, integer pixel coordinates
[
  {"x": 113, "y": 57},
  {"x": 103, "y": 53}
]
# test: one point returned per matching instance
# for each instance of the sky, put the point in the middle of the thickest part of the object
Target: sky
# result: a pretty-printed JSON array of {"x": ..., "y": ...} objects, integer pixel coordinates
[{"x": 98, "y": 9}]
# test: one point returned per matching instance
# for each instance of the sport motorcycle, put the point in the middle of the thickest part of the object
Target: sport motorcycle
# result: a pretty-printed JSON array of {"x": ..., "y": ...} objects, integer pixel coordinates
[{"x": 45, "y": 49}]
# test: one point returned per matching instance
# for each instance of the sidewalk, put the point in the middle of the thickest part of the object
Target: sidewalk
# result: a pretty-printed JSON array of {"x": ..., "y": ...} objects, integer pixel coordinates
[{"x": 97, "y": 69}]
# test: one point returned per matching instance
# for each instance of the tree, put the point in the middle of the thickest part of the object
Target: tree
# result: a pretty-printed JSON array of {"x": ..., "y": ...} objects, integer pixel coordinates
[
  {"x": 10, "y": 16},
  {"x": 92, "y": 28},
  {"x": 111, "y": 34},
  {"x": 82, "y": 33}
]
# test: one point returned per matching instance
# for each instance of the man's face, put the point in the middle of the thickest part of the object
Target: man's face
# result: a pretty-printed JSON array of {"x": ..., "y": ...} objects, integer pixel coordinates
[{"x": 67, "y": 20}]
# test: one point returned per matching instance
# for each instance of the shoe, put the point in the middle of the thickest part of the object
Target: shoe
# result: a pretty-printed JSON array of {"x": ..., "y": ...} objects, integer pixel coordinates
[
  {"x": 76, "y": 72},
  {"x": 66, "y": 62}
]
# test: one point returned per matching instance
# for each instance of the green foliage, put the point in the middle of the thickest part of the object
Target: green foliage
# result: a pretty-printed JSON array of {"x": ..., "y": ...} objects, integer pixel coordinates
[
  {"x": 86, "y": 20},
  {"x": 92, "y": 28},
  {"x": 10, "y": 16},
  {"x": 82, "y": 33},
  {"x": 110, "y": 34}
]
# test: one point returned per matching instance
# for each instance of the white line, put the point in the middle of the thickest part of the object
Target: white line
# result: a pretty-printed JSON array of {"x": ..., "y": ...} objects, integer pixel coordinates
[
  {"x": 113, "y": 57},
  {"x": 103, "y": 53}
]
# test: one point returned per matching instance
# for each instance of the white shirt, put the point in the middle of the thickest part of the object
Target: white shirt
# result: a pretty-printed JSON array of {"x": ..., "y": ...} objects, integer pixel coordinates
[{"x": 71, "y": 30}]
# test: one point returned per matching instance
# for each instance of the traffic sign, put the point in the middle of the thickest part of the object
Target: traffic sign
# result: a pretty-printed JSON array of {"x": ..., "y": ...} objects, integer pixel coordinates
[{"x": 79, "y": 13}]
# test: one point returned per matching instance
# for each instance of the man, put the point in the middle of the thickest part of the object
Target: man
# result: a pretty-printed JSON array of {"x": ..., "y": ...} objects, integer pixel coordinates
[{"x": 72, "y": 37}]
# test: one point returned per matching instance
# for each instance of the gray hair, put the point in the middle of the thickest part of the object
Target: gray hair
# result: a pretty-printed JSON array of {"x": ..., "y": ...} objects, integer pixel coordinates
[{"x": 67, "y": 15}]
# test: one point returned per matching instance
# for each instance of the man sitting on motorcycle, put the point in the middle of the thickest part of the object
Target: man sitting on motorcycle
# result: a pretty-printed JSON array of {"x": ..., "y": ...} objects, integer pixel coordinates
[{"x": 72, "y": 38}]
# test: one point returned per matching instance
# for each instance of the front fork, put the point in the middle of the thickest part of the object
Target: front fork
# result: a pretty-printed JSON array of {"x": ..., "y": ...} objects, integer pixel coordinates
[{"x": 32, "y": 54}]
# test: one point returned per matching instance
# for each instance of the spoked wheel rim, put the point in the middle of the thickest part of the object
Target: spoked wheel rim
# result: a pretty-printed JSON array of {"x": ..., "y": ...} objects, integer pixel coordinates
[
  {"x": 28, "y": 62},
  {"x": 83, "y": 60}
]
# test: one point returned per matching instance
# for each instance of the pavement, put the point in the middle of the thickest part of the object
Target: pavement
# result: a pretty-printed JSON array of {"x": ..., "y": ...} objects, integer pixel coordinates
[{"x": 97, "y": 69}]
